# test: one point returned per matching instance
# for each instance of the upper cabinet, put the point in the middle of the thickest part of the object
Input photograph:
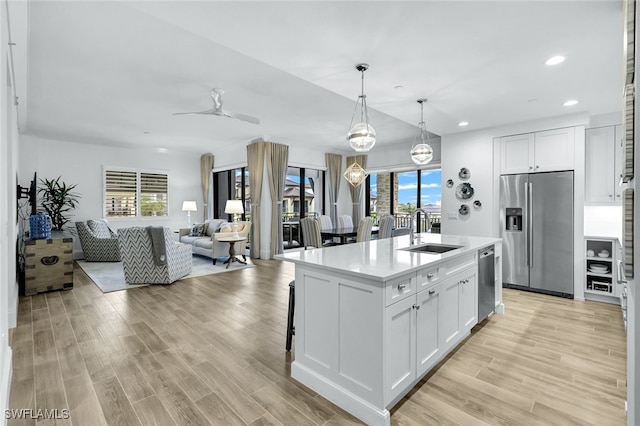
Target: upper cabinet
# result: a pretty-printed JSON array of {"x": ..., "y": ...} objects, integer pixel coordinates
[
  {"x": 603, "y": 168},
  {"x": 551, "y": 150}
]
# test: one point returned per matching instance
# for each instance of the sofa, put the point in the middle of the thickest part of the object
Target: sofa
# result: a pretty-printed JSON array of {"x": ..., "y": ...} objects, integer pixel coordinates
[{"x": 204, "y": 238}]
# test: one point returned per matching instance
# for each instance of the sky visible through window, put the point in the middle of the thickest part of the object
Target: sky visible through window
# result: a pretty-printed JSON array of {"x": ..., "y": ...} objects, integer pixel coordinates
[{"x": 408, "y": 183}]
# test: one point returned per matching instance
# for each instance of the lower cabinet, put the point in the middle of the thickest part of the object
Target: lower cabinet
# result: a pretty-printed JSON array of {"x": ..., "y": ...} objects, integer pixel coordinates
[{"x": 423, "y": 327}]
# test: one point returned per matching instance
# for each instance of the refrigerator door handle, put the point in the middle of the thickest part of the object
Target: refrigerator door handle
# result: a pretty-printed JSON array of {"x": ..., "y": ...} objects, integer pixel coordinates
[
  {"x": 530, "y": 223},
  {"x": 526, "y": 222}
]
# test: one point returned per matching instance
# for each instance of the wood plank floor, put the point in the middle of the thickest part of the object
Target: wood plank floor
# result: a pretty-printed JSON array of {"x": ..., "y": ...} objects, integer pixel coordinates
[{"x": 210, "y": 350}]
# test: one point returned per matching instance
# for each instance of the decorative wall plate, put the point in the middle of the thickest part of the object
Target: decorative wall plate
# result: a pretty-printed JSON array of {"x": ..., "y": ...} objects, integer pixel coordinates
[
  {"x": 464, "y": 191},
  {"x": 463, "y": 210},
  {"x": 464, "y": 173},
  {"x": 477, "y": 204},
  {"x": 450, "y": 183}
]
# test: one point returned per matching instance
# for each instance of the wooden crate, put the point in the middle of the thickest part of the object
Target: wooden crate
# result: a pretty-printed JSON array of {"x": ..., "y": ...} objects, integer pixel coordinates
[{"x": 48, "y": 264}]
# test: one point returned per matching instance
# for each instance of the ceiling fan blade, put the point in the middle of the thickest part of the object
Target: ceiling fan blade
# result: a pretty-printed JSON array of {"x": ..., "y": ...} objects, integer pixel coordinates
[
  {"x": 243, "y": 117},
  {"x": 207, "y": 112}
]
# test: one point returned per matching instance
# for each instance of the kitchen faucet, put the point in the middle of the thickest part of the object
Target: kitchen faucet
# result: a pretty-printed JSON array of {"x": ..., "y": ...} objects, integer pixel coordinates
[{"x": 413, "y": 214}]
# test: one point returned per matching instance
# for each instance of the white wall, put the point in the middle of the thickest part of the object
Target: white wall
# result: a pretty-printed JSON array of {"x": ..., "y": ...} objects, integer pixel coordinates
[
  {"x": 603, "y": 221},
  {"x": 8, "y": 149},
  {"x": 83, "y": 164}
]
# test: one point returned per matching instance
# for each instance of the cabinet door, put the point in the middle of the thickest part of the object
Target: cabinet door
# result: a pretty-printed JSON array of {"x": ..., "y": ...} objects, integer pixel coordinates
[
  {"x": 400, "y": 347},
  {"x": 468, "y": 301},
  {"x": 554, "y": 150},
  {"x": 448, "y": 313},
  {"x": 600, "y": 170},
  {"x": 427, "y": 328},
  {"x": 516, "y": 154}
]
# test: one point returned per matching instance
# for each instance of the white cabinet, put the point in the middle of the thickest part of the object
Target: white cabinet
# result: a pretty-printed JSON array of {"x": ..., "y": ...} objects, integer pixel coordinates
[
  {"x": 603, "y": 168},
  {"x": 424, "y": 326},
  {"x": 546, "y": 151},
  {"x": 400, "y": 347}
]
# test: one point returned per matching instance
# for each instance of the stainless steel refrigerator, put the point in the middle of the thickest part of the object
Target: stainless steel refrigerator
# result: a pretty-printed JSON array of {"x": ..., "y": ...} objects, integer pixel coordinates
[{"x": 536, "y": 225}]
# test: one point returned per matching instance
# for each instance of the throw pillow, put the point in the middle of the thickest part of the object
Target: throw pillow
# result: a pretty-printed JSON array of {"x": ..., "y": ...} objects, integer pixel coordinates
[
  {"x": 226, "y": 228},
  {"x": 198, "y": 230}
]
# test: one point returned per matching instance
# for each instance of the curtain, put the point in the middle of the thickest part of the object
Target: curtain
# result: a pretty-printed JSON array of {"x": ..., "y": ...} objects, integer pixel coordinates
[
  {"x": 356, "y": 192},
  {"x": 277, "y": 159},
  {"x": 334, "y": 171},
  {"x": 206, "y": 166},
  {"x": 255, "y": 164}
]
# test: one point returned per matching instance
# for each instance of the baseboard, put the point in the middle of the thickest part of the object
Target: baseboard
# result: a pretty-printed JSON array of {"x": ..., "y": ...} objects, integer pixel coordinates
[
  {"x": 500, "y": 308},
  {"x": 5, "y": 384}
]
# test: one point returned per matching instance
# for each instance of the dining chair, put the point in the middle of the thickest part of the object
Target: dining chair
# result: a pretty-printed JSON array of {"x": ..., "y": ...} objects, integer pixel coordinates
[
  {"x": 386, "y": 226},
  {"x": 310, "y": 232},
  {"x": 364, "y": 229},
  {"x": 344, "y": 221},
  {"x": 325, "y": 222}
]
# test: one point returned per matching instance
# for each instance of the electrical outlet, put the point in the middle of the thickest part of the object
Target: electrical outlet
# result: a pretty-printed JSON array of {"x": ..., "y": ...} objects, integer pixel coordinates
[{"x": 452, "y": 215}]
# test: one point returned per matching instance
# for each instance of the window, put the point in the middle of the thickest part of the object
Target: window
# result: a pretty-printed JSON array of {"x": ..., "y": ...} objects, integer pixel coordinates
[
  {"x": 124, "y": 188},
  {"x": 231, "y": 185}
]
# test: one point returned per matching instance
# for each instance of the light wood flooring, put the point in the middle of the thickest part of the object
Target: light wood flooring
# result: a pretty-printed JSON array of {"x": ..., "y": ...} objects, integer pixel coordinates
[{"x": 210, "y": 350}]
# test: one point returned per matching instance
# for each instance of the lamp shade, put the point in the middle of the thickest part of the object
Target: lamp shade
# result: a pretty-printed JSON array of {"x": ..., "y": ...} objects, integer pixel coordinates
[
  {"x": 189, "y": 206},
  {"x": 234, "y": 207}
]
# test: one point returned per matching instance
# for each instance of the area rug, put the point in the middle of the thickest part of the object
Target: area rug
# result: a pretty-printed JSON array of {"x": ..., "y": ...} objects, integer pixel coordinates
[{"x": 109, "y": 276}]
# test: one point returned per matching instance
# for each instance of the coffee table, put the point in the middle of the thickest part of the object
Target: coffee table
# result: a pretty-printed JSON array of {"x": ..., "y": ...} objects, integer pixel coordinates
[{"x": 232, "y": 251}]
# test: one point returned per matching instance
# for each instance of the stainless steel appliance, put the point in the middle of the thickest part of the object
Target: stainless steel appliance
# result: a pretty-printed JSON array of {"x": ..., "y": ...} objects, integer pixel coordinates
[
  {"x": 486, "y": 282},
  {"x": 536, "y": 225}
]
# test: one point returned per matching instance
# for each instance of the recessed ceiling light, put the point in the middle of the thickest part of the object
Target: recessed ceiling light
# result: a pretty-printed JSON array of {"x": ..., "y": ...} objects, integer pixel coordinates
[
  {"x": 555, "y": 60},
  {"x": 398, "y": 87},
  {"x": 463, "y": 123},
  {"x": 570, "y": 102}
]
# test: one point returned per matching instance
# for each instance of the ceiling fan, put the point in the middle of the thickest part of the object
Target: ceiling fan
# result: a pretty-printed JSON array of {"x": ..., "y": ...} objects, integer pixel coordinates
[{"x": 216, "y": 96}]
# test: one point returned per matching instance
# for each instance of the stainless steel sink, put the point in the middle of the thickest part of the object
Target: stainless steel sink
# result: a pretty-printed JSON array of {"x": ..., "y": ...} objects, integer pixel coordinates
[{"x": 432, "y": 248}]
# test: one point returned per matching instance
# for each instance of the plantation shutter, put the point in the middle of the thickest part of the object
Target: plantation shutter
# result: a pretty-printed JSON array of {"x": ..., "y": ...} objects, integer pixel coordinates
[
  {"x": 153, "y": 194},
  {"x": 120, "y": 193}
]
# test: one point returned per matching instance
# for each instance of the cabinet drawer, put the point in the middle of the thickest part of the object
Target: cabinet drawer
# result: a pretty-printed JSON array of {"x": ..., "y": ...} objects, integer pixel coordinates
[
  {"x": 400, "y": 288},
  {"x": 429, "y": 277},
  {"x": 458, "y": 265}
]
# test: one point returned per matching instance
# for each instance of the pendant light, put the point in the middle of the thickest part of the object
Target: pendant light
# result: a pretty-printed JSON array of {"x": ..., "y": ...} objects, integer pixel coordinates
[
  {"x": 361, "y": 135},
  {"x": 421, "y": 153},
  {"x": 355, "y": 175}
]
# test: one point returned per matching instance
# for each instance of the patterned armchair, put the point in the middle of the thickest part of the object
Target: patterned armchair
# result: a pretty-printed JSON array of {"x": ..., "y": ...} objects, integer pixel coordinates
[
  {"x": 138, "y": 258},
  {"x": 99, "y": 243}
]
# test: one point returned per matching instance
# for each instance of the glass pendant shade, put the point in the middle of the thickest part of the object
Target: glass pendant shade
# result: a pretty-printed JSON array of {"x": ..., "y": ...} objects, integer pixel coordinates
[
  {"x": 355, "y": 175},
  {"x": 421, "y": 153},
  {"x": 361, "y": 135}
]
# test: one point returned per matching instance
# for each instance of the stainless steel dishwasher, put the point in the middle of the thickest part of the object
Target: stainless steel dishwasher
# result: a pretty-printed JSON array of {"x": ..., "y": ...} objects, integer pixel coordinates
[{"x": 486, "y": 282}]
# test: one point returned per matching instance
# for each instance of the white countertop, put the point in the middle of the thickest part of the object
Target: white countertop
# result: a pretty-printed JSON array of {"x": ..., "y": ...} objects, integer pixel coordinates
[{"x": 381, "y": 260}]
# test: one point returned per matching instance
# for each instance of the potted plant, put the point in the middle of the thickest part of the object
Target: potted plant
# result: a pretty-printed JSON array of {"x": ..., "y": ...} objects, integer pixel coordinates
[{"x": 58, "y": 200}]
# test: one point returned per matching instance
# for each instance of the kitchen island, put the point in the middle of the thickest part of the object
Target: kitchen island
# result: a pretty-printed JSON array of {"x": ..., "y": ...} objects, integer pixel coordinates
[{"x": 373, "y": 318}]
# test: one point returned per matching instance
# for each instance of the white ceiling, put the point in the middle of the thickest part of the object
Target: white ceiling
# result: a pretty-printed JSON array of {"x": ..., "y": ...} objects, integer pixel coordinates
[{"x": 107, "y": 72}]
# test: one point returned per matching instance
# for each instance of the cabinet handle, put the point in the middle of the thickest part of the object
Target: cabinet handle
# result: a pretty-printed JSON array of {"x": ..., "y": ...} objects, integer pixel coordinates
[
  {"x": 430, "y": 275},
  {"x": 416, "y": 307},
  {"x": 432, "y": 292},
  {"x": 610, "y": 196},
  {"x": 537, "y": 167},
  {"x": 530, "y": 167},
  {"x": 401, "y": 286}
]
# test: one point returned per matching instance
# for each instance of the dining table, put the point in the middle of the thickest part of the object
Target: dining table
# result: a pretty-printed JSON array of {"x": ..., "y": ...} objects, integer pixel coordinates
[{"x": 343, "y": 234}]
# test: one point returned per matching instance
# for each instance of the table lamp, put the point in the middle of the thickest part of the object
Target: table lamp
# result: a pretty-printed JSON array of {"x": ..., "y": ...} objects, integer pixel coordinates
[
  {"x": 234, "y": 207},
  {"x": 189, "y": 206}
]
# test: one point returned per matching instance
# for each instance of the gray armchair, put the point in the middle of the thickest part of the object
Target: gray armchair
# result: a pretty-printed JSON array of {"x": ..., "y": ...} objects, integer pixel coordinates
[
  {"x": 99, "y": 243},
  {"x": 139, "y": 263}
]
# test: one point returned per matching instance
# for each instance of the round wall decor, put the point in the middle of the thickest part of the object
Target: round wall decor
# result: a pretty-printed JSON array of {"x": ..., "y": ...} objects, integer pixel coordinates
[
  {"x": 464, "y": 191},
  {"x": 450, "y": 183},
  {"x": 477, "y": 204},
  {"x": 463, "y": 210},
  {"x": 464, "y": 173}
]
